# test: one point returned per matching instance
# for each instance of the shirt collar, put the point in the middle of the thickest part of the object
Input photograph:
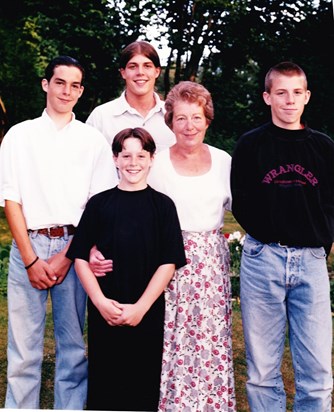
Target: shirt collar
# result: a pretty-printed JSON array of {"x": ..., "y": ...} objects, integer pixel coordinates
[
  {"x": 123, "y": 105},
  {"x": 51, "y": 123}
]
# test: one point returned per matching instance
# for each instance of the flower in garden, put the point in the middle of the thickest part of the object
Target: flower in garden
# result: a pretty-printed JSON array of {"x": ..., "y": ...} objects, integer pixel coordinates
[
  {"x": 237, "y": 235},
  {"x": 235, "y": 241}
]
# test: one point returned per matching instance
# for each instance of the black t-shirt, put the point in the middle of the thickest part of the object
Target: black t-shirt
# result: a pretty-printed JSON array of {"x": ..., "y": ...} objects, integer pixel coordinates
[{"x": 138, "y": 230}]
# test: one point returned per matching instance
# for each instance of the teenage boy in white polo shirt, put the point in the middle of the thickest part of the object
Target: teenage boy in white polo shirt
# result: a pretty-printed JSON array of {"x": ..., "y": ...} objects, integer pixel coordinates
[
  {"x": 139, "y": 105},
  {"x": 49, "y": 167}
]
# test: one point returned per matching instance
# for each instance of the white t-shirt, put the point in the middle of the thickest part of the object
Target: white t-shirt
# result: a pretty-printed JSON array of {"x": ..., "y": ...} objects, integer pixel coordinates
[
  {"x": 116, "y": 115},
  {"x": 200, "y": 200},
  {"x": 52, "y": 173}
]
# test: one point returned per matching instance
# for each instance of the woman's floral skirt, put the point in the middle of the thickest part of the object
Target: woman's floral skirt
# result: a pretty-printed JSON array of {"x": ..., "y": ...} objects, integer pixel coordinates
[{"x": 197, "y": 369}]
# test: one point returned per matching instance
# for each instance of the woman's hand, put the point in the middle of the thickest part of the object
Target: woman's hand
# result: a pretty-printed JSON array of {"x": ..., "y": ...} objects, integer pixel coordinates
[{"x": 98, "y": 264}]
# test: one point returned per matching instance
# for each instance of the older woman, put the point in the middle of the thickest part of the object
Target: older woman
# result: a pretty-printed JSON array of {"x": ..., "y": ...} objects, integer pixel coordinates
[{"x": 197, "y": 370}]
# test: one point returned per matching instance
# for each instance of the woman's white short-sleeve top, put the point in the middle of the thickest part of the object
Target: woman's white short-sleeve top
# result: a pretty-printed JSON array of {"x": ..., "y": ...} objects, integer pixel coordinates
[{"x": 200, "y": 200}]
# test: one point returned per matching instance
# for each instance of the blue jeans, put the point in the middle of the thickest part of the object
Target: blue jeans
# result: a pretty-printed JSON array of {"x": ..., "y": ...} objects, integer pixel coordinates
[
  {"x": 282, "y": 286},
  {"x": 26, "y": 324}
]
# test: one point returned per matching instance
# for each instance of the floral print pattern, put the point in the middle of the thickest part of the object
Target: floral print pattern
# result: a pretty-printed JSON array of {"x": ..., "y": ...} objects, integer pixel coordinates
[{"x": 197, "y": 369}]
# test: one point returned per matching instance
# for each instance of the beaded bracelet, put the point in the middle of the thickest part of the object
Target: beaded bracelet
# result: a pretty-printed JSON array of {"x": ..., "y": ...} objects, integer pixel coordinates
[{"x": 32, "y": 263}]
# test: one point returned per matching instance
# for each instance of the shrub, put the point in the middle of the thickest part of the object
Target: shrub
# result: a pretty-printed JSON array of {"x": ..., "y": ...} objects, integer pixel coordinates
[
  {"x": 235, "y": 241},
  {"x": 4, "y": 261},
  {"x": 332, "y": 294}
]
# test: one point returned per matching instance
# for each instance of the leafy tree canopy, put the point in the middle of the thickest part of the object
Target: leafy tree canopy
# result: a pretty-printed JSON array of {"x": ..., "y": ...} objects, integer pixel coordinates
[{"x": 226, "y": 45}]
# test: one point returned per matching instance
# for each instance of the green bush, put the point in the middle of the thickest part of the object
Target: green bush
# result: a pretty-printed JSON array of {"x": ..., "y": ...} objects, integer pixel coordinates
[
  {"x": 235, "y": 241},
  {"x": 4, "y": 261},
  {"x": 332, "y": 294},
  {"x": 235, "y": 257}
]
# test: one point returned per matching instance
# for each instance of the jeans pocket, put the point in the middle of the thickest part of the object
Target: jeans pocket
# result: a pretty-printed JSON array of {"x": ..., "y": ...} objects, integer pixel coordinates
[
  {"x": 318, "y": 252},
  {"x": 252, "y": 247}
]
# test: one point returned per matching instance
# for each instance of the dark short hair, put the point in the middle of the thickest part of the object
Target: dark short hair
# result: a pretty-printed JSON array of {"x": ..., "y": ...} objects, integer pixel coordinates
[
  {"x": 139, "y": 47},
  {"x": 63, "y": 61},
  {"x": 143, "y": 135},
  {"x": 188, "y": 91},
  {"x": 286, "y": 68}
]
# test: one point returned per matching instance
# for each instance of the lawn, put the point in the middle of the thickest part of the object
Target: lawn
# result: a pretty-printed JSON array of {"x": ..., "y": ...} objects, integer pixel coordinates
[{"x": 49, "y": 350}]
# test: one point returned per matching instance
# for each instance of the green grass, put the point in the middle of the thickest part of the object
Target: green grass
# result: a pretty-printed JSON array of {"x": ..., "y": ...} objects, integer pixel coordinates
[{"x": 49, "y": 348}]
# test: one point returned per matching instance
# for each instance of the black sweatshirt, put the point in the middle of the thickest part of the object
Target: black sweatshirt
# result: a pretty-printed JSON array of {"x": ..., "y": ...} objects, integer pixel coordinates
[{"x": 283, "y": 186}]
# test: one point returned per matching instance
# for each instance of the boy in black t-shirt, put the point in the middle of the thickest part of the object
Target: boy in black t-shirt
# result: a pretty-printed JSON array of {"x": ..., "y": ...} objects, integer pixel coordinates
[{"x": 137, "y": 228}]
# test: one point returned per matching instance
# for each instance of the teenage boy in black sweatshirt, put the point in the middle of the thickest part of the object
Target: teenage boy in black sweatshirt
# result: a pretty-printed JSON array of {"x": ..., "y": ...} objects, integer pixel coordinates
[{"x": 283, "y": 196}]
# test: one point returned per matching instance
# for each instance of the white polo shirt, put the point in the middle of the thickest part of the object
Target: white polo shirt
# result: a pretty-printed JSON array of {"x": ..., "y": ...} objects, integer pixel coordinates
[
  {"x": 116, "y": 115},
  {"x": 52, "y": 173}
]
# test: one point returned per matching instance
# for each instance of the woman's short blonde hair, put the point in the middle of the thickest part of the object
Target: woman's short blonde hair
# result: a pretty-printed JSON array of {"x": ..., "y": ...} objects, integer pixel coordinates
[{"x": 191, "y": 92}]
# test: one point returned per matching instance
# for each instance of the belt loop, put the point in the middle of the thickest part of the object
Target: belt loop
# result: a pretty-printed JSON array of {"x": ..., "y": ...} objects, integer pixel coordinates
[
  {"x": 65, "y": 232},
  {"x": 280, "y": 244},
  {"x": 33, "y": 233}
]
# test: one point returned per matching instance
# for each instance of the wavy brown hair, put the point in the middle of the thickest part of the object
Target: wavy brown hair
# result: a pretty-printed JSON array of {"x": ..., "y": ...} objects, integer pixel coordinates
[{"x": 191, "y": 92}]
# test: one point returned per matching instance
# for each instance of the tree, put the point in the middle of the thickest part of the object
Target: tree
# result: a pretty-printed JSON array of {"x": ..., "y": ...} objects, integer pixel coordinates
[
  {"x": 35, "y": 31},
  {"x": 229, "y": 46},
  {"x": 20, "y": 63},
  {"x": 226, "y": 45}
]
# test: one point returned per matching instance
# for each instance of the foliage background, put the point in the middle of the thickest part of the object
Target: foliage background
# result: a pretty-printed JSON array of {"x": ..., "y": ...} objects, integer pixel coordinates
[{"x": 226, "y": 45}]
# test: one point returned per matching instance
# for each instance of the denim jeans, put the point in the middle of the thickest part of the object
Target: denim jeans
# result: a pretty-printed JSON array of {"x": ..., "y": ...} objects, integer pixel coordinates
[
  {"x": 26, "y": 324},
  {"x": 284, "y": 286}
]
